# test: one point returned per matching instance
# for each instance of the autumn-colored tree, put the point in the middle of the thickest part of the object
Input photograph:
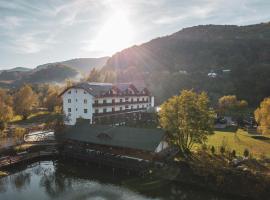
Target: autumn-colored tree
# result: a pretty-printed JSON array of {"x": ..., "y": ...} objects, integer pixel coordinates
[
  {"x": 231, "y": 105},
  {"x": 262, "y": 116},
  {"x": 187, "y": 119},
  {"x": 6, "y": 112},
  {"x": 93, "y": 76},
  {"x": 6, "y": 97},
  {"x": 52, "y": 100},
  {"x": 24, "y": 101}
]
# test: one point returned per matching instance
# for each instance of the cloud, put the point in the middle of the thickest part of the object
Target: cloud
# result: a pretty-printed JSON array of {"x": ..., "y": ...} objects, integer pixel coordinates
[{"x": 10, "y": 22}]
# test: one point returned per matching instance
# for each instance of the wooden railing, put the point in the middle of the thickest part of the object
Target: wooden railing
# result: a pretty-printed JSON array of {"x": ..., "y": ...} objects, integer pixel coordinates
[{"x": 10, "y": 160}]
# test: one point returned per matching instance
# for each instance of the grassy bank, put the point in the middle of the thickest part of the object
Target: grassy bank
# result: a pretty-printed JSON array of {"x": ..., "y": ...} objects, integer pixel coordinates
[{"x": 239, "y": 140}]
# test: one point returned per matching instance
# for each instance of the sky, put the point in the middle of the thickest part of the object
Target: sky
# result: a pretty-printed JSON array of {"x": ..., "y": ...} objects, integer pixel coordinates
[{"x": 34, "y": 32}]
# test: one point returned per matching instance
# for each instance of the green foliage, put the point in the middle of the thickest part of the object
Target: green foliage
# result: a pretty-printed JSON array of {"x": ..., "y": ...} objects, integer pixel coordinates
[
  {"x": 262, "y": 116},
  {"x": 187, "y": 119}
]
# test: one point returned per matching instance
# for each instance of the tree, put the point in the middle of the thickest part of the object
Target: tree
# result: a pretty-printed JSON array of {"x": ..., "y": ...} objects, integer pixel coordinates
[
  {"x": 24, "y": 101},
  {"x": 262, "y": 116},
  {"x": 231, "y": 104},
  {"x": 6, "y": 112},
  {"x": 93, "y": 76},
  {"x": 52, "y": 100},
  {"x": 187, "y": 119}
]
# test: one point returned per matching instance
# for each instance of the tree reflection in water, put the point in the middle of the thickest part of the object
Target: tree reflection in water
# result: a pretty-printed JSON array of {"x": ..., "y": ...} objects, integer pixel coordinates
[
  {"x": 67, "y": 180},
  {"x": 21, "y": 180}
]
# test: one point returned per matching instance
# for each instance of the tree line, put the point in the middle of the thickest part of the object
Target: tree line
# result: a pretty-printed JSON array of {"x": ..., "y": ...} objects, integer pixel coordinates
[{"x": 26, "y": 100}]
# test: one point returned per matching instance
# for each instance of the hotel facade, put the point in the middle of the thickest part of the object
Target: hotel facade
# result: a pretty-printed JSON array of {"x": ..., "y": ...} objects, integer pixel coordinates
[{"x": 93, "y": 101}]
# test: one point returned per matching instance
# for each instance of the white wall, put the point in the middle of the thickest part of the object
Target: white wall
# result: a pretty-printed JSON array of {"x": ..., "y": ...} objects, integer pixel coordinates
[{"x": 77, "y": 105}]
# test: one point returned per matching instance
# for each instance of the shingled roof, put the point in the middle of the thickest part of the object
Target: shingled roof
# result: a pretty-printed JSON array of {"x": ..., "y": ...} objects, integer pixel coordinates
[
  {"x": 97, "y": 89},
  {"x": 119, "y": 136}
]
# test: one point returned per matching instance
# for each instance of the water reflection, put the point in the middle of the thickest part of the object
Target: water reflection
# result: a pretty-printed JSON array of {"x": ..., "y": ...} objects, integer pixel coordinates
[{"x": 64, "y": 180}]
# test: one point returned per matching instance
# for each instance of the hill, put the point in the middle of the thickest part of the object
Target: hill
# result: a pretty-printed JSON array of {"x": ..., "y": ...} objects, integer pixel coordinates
[
  {"x": 51, "y": 72},
  {"x": 238, "y": 56},
  {"x": 83, "y": 65}
]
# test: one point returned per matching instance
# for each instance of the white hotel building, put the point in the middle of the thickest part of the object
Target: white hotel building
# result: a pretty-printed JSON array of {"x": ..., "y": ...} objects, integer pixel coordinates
[{"x": 95, "y": 100}]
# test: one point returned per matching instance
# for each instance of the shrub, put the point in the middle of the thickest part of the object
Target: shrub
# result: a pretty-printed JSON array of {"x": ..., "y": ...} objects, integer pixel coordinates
[
  {"x": 3, "y": 125},
  {"x": 213, "y": 150},
  {"x": 233, "y": 153},
  {"x": 222, "y": 150},
  {"x": 18, "y": 133},
  {"x": 204, "y": 147},
  {"x": 246, "y": 153}
]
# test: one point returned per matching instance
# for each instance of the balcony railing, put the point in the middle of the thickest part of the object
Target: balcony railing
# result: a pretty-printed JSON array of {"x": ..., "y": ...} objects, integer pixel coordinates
[
  {"x": 118, "y": 103},
  {"x": 119, "y": 112}
]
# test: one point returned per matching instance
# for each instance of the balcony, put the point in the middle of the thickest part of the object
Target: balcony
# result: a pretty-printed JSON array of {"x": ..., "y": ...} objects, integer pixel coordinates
[
  {"x": 118, "y": 103},
  {"x": 119, "y": 112}
]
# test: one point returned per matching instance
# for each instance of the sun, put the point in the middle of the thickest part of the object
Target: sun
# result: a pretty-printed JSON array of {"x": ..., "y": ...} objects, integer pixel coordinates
[{"x": 116, "y": 34}]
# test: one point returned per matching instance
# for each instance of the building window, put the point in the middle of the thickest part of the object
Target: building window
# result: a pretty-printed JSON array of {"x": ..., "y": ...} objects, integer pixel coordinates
[
  {"x": 113, "y": 101},
  {"x": 69, "y": 100},
  {"x": 138, "y": 106},
  {"x": 69, "y": 109},
  {"x": 104, "y": 110},
  {"x": 121, "y": 100},
  {"x": 126, "y": 99},
  {"x": 96, "y": 101},
  {"x": 69, "y": 92},
  {"x": 143, "y": 98},
  {"x": 104, "y": 101},
  {"x": 76, "y": 100},
  {"x": 120, "y": 108},
  {"x": 142, "y": 106},
  {"x": 85, "y": 101},
  {"x": 76, "y": 109},
  {"x": 131, "y": 107},
  {"x": 126, "y": 106},
  {"x": 96, "y": 110},
  {"x": 85, "y": 110},
  {"x": 131, "y": 99},
  {"x": 138, "y": 99},
  {"x": 113, "y": 109},
  {"x": 76, "y": 91}
]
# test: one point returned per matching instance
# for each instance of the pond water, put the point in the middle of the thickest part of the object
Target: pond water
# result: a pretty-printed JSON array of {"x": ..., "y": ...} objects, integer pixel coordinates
[{"x": 66, "y": 180}]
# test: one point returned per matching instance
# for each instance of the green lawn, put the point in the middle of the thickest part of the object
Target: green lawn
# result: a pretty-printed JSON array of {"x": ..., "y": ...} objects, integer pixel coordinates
[{"x": 240, "y": 140}]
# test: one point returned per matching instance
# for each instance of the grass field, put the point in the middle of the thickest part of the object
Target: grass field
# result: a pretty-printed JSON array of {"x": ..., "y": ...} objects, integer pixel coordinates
[{"x": 239, "y": 140}]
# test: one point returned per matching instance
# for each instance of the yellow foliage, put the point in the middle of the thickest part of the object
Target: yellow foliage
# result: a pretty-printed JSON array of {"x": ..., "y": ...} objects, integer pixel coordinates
[{"x": 262, "y": 116}]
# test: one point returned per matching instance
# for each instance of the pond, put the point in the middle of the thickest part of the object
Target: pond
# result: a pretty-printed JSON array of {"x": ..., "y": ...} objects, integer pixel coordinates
[{"x": 57, "y": 179}]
